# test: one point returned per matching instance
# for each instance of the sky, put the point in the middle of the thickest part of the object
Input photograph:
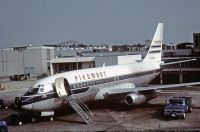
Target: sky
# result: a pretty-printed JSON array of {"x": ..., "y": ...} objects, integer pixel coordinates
[{"x": 40, "y": 22}]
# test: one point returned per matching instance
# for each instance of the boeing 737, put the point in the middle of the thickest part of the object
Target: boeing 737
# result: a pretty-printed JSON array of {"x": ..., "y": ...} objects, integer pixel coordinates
[{"x": 128, "y": 80}]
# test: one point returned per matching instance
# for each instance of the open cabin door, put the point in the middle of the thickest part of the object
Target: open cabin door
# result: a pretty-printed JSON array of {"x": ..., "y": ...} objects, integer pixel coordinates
[
  {"x": 62, "y": 87},
  {"x": 63, "y": 90}
]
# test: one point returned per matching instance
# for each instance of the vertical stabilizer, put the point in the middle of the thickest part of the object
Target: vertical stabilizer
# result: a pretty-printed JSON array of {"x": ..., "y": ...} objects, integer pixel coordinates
[{"x": 155, "y": 50}]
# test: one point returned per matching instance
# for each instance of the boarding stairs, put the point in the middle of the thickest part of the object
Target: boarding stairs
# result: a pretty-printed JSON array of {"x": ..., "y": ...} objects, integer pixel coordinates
[
  {"x": 63, "y": 90},
  {"x": 82, "y": 110}
]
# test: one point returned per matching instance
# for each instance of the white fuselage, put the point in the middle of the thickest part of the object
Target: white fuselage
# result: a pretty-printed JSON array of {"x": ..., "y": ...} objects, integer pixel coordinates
[{"x": 86, "y": 83}]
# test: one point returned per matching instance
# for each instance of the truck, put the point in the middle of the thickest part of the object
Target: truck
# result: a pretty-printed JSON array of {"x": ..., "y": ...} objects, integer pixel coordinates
[
  {"x": 20, "y": 77},
  {"x": 178, "y": 107}
]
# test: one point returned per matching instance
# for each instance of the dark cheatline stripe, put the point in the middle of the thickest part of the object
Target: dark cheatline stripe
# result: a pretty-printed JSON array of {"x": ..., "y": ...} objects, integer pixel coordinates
[
  {"x": 33, "y": 99},
  {"x": 157, "y": 41},
  {"x": 155, "y": 46},
  {"x": 82, "y": 90},
  {"x": 155, "y": 51}
]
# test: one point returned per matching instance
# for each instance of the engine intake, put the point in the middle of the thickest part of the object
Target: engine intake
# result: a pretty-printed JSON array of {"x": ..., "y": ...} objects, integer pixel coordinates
[{"x": 135, "y": 99}]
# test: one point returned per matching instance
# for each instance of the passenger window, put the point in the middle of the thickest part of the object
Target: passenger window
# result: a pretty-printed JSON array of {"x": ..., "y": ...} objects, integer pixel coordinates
[
  {"x": 88, "y": 76},
  {"x": 101, "y": 74},
  {"x": 97, "y": 75},
  {"x": 93, "y": 75},
  {"x": 76, "y": 78},
  {"x": 83, "y": 77}
]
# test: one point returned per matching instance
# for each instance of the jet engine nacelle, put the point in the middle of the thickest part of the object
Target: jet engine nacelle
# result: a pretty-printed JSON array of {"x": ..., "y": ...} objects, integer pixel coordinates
[{"x": 135, "y": 99}]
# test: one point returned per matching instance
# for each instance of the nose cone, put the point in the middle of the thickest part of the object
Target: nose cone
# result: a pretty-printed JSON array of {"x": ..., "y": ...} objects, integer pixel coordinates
[{"x": 27, "y": 107}]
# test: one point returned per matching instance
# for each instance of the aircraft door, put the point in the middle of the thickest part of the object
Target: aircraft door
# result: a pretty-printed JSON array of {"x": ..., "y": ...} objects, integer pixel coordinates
[
  {"x": 63, "y": 90},
  {"x": 62, "y": 87}
]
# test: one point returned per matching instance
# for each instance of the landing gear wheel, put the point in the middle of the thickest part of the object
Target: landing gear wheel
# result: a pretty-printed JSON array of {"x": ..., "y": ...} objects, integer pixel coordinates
[
  {"x": 20, "y": 123},
  {"x": 51, "y": 119},
  {"x": 33, "y": 119}
]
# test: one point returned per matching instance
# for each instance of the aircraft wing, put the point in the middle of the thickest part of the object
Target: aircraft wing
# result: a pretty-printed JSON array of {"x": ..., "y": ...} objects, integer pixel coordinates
[{"x": 129, "y": 89}]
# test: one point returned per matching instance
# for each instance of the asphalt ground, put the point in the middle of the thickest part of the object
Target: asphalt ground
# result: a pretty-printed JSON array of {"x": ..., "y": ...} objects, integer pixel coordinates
[{"x": 112, "y": 116}]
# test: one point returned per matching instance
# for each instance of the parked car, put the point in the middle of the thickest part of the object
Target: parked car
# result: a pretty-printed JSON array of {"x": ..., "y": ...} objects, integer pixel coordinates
[
  {"x": 188, "y": 101},
  {"x": 178, "y": 107}
]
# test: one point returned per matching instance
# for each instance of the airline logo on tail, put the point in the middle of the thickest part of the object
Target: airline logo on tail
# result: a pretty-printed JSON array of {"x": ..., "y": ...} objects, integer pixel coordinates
[{"x": 155, "y": 50}]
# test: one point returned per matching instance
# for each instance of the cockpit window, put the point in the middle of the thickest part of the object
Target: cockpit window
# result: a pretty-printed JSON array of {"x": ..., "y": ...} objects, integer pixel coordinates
[
  {"x": 41, "y": 90},
  {"x": 31, "y": 91}
]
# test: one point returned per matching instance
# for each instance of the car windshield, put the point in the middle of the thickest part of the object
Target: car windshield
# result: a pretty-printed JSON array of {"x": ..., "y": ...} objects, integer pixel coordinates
[
  {"x": 176, "y": 102},
  {"x": 31, "y": 91}
]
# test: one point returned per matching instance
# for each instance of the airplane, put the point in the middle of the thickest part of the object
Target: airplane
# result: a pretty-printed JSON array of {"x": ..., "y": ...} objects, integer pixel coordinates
[{"x": 85, "y": 85}]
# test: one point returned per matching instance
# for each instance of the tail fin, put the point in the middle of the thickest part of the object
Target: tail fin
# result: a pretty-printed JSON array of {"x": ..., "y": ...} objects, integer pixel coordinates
[{"x": 155, "y": 51}]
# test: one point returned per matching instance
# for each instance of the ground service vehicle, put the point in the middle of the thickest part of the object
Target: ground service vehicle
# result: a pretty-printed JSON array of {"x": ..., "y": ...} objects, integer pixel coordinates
[
  {"x": 27, "y": 116},
  {"x": 178, "y": 107}
]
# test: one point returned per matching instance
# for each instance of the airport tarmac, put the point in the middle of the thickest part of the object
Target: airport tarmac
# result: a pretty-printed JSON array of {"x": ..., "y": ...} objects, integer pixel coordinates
[{"x": 114, "y": 116}]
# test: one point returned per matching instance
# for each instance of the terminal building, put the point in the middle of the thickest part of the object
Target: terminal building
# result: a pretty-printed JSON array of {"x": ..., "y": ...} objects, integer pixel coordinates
[
  {"x": 59, "y": 65},
  {"x": 25, "y": 60},
  {"x": 178, "y": 49}
]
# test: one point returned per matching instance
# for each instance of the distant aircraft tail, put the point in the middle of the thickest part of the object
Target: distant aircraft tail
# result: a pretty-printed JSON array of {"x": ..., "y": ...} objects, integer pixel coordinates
[{"x": 155, "y": 51}]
